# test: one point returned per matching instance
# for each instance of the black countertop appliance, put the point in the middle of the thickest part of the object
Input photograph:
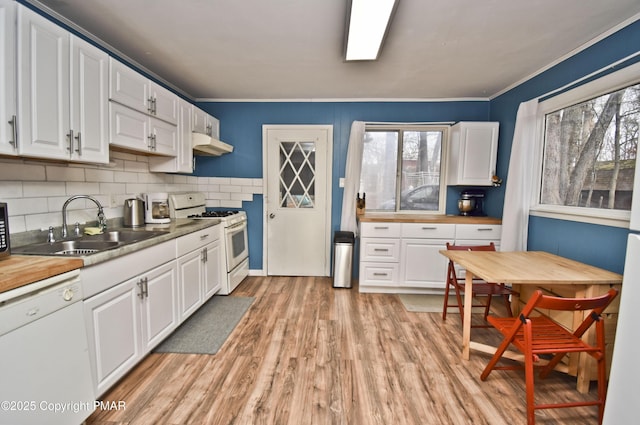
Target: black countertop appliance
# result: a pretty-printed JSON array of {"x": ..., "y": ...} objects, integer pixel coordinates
[{"x": 471, "y": 203}]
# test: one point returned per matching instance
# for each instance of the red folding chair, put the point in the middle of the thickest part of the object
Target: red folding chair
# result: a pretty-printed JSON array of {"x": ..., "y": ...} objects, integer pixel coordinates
[{"x": 535, "y": 336}]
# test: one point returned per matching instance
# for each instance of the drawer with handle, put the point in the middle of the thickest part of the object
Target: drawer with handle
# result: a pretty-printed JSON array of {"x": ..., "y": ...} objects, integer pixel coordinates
[
  {"x": 380, "y": 230},
  {"x": 378, "y": 274},
  {"x": 478, "y": 231},
  {"x": 380, "y": 249},
  {"x": 429, "y": 230}
]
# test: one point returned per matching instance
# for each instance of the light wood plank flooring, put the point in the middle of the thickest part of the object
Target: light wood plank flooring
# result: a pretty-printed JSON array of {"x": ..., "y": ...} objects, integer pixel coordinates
[{"x": 306, "y": 353}]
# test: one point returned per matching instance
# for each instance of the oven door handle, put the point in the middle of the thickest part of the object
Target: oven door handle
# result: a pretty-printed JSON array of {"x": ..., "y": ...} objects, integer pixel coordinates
[{"x": 237, "y": 226}]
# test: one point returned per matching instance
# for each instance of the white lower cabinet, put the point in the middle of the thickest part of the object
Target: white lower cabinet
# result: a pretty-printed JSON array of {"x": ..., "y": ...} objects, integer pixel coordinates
[
  {"x": 199, "y": 268},
  {"x": 126, "y": 321},
  {"x": 422, "y": 265},
  {"x": 405, "y": 257}
]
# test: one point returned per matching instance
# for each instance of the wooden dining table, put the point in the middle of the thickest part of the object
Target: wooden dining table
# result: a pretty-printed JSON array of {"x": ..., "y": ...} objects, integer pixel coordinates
[{"x": 518, "y": 268}]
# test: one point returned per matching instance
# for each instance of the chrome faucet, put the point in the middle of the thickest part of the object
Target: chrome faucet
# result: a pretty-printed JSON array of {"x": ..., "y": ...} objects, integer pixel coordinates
[{"x": 102, "y": 220}]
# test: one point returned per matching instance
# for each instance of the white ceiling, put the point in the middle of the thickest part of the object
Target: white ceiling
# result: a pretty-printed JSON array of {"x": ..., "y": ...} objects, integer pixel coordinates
[{"x": 294, "y": 49}]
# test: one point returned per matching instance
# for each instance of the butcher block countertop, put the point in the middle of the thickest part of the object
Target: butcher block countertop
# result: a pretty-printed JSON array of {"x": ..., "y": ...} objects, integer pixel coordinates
[
  {"x": 19, "y": 270},
  {"x": 426, "y": 218}
]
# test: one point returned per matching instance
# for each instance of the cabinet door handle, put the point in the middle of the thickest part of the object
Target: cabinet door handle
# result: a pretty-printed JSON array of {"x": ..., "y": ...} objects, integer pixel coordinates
[
  {"x": 146, "y": 287},
  {"x": 381, "y": 249},
  {"x": 430, "y": 228},
  {"x": 14, "y": 131},
  {"x": 70, "y": 147},
  {"x": 79, "y": 145},
  {"x": 381, "y": 274},
  {"x": 155, "y": 146},
  {"x": 206, "y": 254},
  {"x": 485, "y": 229},
  {"x": 150, "y": 144},
  {"x": 140, "y": 284},
  {"x": 150, "y": 104},
  {"x": 381, "y": 227}
]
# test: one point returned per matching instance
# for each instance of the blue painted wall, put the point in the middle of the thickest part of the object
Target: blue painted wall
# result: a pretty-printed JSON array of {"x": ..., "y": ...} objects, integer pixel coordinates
[
  {"x": 601, "y": 246},
  {"x": 241, "y": 125}
]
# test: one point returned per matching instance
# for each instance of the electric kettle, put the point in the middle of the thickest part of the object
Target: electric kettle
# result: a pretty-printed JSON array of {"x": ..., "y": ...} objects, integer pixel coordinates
[{"x": 133, "y": 213}]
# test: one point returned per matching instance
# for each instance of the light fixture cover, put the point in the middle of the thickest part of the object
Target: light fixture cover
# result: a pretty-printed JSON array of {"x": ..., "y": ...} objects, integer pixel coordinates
[{"x": 367, "y": 26}]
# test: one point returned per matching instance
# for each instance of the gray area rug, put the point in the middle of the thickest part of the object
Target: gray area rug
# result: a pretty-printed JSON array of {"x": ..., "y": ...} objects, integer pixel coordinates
[
  {"x": 422, "y": 303},
  {"x": 208, "y": 328},
  {"x": 419, "y": 303}
]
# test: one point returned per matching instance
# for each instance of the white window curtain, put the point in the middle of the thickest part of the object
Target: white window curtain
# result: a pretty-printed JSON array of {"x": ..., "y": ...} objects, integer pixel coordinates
[
  {"x": 520, "y": 179},
  {"x": 352, "y": 177}
]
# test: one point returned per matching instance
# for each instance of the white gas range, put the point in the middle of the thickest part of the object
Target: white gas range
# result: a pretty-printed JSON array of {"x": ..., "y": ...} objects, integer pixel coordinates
[{"x": 236, "y": 249}]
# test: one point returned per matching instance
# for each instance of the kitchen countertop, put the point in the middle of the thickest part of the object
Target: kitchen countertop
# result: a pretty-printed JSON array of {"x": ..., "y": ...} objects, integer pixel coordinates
[
  {"x": 426, "y": 218},
  {"x": 20, "y": 270}
]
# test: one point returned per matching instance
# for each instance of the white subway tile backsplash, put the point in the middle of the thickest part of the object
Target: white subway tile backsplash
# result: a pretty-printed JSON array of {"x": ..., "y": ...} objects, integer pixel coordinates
[
  {"x": 24, "y": 206},
  {"x": 44, "y": 189},
  {"x": 136, "y": 166},
  {"x": 231, "y": 204},
  {"x": 230, "y": 188},
  {"x": 251, "y": 189},
  {"x": 219, "y": 180},
  {"x": 36, "y": 190},
  {"x": 81, "y": 188},
  {"x": 125, "y": 177},
  {"x": 99, "y": 175},
  {"x": 241, "y": 196},
  {"x": 22, "y": 171},
  {"x": 10, "y": 189},
  {"x": 65, "y": 174},
  {"x": 240, "y": 182}
]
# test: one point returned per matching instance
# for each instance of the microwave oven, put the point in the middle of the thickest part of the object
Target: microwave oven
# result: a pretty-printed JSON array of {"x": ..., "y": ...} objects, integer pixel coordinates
[{"x": 5, "y": 246}]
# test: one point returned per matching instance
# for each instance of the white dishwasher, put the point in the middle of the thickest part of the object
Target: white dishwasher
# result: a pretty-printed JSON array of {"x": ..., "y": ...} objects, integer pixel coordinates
[{"x": 45, "y": 377}]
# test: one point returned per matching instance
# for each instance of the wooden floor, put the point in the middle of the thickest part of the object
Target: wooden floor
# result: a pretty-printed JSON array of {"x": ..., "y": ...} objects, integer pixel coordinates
[{"x": 306, "y": 353}]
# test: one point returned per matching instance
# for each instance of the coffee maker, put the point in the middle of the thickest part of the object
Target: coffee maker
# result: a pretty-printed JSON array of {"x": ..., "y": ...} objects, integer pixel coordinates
[{"x": 471, "y": 203}]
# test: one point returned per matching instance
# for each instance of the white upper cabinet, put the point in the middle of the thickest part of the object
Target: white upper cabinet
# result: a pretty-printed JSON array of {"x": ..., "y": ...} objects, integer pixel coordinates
[
  {"x": 183, "y": 162},
  {"x": 165, "y": 103},
  {"x": 143, "y": 116},
  {"x": 205, "y": 123},
  {"x": 43, "y": 87},
  {"x": 472, "y": 153},
  {"x": 8, "y": 77},
  {"x": 89, "y": 102},
  {"x": 136, "y": 91},
  {"x": 130, "y": 129},
  {"x": 62, "y": 87}
]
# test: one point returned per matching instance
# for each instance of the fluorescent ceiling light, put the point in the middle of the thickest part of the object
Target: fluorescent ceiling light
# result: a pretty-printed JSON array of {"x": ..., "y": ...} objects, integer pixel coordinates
[{"x": 368, "y": 24}]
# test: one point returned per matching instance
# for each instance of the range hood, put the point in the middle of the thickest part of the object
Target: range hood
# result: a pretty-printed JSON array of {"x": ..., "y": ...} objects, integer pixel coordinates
[{"x": 204, "y": 144}]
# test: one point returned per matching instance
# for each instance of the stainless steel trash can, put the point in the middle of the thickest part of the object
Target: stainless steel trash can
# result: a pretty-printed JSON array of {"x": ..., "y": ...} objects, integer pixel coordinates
[{"x": 342, "y": 258}]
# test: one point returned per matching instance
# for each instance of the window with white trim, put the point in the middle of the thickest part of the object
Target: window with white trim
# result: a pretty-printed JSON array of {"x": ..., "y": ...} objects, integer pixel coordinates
[
  {"x": 589, "y": 149},
  {"x": 402, "y": 168}
]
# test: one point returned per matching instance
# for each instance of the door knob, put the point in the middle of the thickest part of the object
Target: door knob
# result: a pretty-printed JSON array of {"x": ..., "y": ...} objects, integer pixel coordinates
[{"x": 272, "y": 215}]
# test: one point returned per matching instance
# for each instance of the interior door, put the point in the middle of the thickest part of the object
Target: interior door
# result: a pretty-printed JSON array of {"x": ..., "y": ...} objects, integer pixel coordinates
[{"x": 298, "y": 199}]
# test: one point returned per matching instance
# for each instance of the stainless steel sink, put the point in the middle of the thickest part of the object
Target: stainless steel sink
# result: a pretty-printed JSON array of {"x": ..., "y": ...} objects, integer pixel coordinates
[
  {"x": 124, "y": 235},
  {"x": 76, "y": 247},
  {"x": 88, "y": 244}
]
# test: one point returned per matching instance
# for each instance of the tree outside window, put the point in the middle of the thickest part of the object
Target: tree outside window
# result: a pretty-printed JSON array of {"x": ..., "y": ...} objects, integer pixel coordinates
[
  {"x": 401, "y": 168},
  {"x": 590, "y": 152}
]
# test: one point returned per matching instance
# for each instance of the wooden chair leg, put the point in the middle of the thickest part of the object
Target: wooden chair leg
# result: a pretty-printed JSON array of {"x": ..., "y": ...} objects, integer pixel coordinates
[
  {"x": 528, "y": 372},
  {"x": 446, "y": 302},
  {"x": 460, "y": 304},
  {"x": 487, "y": 306},
  {"x": 507, "y": 304}
]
